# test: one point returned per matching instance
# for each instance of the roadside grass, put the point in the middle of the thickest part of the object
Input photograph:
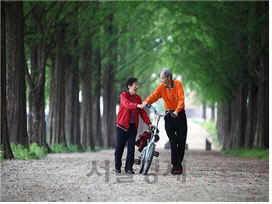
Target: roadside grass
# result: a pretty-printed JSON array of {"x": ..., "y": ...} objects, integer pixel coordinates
[
  {"x": 210, "y": 126},
  {"x": 32, "y": 152},
  {"x": 252, "y": 153},
  {"x": 35, "y": 152},
  {"x": 1, "y": 153}
]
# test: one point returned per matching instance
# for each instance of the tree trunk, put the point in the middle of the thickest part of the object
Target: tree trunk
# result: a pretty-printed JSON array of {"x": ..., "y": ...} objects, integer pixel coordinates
[
  {"x": 69, "y": 100},
  {"x": 72, "y": 110},
  {"x": 223, "y": 125},
  {"x": 109, "y": 97},
  {"x": 239, "y": 103},
  {"x": 238, "y": 119},
  {"x": 56, "y": 121},
  {"x": 262, "y": 129},
  {"x": 251, "y": 115},
  {"x": 87, "y": 131},
  {"x": 4, "y": 125},
  {"x": 36, "y": 99},
  {"x": 253, "y": 82},
  {"x": 72, "y": 107},
  {"x": 16, "y": 90},
  {"x": 96, "y": 105},
  {"x": 219, "y": 123},
  {"x": 36, "y": 81},
  {"x": 204, "y": 116},
  {"x": 213, "y": 112},
  {"x": 109, "y": 110}
]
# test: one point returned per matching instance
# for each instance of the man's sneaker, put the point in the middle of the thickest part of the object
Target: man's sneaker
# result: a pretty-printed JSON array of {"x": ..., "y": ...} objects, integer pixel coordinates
[{"x": 177, "y": 171}]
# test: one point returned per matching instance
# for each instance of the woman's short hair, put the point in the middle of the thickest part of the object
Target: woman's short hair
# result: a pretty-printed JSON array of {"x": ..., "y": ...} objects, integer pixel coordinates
[
  {"x": 167, "y": 73},
  {"x": 130, "y": 81}
]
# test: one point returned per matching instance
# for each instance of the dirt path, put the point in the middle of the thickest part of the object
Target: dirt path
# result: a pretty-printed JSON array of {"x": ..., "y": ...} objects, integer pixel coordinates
[{"x": 73, "y": 177}]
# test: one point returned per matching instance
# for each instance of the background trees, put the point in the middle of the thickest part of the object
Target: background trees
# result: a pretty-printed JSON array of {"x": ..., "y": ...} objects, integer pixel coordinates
[
  {"x": 78, "y": 54},
  {"x": 214, "y": 46}
]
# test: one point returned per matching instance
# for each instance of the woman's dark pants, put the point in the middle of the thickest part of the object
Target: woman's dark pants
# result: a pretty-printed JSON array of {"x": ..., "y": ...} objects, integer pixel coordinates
[
  {"x": 176, "y": 129},
  {"x": 121, "y": 138}
]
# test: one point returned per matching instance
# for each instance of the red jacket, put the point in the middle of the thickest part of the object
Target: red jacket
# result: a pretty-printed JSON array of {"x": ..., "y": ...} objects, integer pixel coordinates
[{"x": 124, "y": 113}]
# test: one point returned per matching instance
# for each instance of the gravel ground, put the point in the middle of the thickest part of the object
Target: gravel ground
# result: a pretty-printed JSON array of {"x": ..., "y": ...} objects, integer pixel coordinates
[{"x": 90, "y": 177}]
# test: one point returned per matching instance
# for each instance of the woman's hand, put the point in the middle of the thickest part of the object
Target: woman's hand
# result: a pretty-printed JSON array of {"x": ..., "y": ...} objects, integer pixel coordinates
[{"x": 141, "y": 105}]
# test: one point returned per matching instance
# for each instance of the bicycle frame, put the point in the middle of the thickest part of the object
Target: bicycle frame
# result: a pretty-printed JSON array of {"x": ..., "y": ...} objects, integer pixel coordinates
[
  {"x": 153, "y": 135},
  {"x": 146, "y": 157}
]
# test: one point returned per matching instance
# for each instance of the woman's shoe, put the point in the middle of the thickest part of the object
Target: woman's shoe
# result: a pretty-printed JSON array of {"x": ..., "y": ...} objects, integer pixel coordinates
[{"x": 130, "y": 171}]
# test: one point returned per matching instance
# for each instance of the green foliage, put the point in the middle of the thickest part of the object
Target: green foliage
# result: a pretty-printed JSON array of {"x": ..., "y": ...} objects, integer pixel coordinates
[
  {"x": 20, "y": 152},
  {"x": 37, "y": 151},
  {"x": 204, "y": 45},
  {"x": 252, "y": 153},
  {"x": 2, "y": 153},
  {"x": 34, "y": 151},
  {"x": 198, "y": 41},
  {"x": 59, "y": 148},
  {"x": 74, "y": 148}
]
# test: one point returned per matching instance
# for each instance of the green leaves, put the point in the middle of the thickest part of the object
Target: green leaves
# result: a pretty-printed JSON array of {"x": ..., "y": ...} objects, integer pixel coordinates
[
  {"x": 197, "y": 40},
  {"x": 33, "y": 152}
]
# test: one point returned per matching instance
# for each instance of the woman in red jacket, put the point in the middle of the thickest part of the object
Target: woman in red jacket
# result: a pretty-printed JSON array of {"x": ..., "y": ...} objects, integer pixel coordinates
[{"x": 127, "y": 124}]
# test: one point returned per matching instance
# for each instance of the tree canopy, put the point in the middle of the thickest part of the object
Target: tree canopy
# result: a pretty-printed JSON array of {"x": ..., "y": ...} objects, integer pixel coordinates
[{"x": 219, "y": 49}]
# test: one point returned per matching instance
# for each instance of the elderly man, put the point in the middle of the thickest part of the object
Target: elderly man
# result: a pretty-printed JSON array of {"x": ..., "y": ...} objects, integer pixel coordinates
[{"x": 172, "y": 93}]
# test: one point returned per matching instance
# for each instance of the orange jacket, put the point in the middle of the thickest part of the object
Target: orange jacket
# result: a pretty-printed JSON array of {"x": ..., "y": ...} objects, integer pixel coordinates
[{"x": 173, "y": 97}]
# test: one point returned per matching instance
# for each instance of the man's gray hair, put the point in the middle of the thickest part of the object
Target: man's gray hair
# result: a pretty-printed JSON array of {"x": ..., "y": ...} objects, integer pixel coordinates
[{"x": 167, "y": 73}]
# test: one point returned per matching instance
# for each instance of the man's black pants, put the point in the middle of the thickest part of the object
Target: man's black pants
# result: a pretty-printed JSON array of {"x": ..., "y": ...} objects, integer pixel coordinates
[
  {"x": 176, "y": 129},
  {"x": 121, "y": 138}
]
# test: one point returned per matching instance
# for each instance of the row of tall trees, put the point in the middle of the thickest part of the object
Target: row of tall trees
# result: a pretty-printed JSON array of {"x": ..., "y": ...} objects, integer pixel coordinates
[
  {"x": 68, "y": 48},
  {"x": 221, "y": 50},
  {"x": 58, "y": 52}
]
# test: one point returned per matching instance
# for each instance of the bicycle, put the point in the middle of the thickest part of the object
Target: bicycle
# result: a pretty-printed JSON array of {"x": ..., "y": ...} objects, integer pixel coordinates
[{"x": 146, "y": 157}]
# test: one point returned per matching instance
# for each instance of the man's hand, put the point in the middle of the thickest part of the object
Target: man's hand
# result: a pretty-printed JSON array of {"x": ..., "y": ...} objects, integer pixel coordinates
[
  {"x": 175, "y": 114},
  {"x": 151, "y": 126},
  {"x": 141, "y": 105}
]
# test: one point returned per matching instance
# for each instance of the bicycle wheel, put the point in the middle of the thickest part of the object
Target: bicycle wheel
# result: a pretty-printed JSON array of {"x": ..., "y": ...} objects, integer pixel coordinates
[
  {"x": 142, "y": 162},
  {"x": 149, "y": 158}
]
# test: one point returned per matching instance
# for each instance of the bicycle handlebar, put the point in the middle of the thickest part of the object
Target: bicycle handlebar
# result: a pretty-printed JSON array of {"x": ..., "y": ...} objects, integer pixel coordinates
[{"x": 157, "y": 113}]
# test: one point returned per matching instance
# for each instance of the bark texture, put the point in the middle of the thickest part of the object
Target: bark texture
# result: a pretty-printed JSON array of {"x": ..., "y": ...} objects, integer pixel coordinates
[
  {"x": 16, "y": 90},
  {"x": 4, "y": 123},
  {"x": 56, "y": 121}
]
